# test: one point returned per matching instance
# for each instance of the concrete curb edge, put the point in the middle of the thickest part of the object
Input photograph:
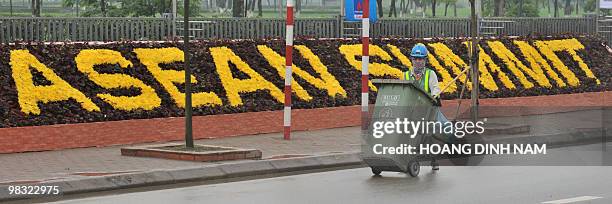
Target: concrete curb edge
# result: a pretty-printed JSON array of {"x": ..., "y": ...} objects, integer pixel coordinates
[{"x": 170, "y": 176}]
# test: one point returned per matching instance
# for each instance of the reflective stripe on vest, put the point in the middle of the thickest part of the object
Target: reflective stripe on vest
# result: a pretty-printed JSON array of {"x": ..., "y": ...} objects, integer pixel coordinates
[{"x": 426, "y": 82}]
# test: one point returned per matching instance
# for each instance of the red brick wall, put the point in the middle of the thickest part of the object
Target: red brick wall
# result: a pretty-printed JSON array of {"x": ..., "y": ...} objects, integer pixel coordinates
[
  {"x": 53, "y": 137},
  {"x": 530, "y": 105}
]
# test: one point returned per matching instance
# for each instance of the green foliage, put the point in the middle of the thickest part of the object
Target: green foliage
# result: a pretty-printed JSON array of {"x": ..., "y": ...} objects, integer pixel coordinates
[
  {"x": 155, "y": 7},
  {"x": 91, "y": 8},
  {"x": 194, "y": 7},
  {"x": 513, "y": 9},
  {"x": 487, "y": 7},
  {"x": 132, "y": 8},
  {"x": 590, "y": 5}
]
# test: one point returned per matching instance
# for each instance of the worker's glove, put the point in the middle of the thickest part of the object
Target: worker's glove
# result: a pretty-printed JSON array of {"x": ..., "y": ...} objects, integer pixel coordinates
[{"x": 437, "y": 101}]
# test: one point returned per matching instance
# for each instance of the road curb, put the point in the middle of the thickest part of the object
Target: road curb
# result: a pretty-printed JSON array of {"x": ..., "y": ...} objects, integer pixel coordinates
[{"x": 211, "y": 172}]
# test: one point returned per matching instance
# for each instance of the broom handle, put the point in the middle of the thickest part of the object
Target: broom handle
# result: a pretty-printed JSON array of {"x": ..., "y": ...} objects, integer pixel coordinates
[{"x": 453, "y": 81}]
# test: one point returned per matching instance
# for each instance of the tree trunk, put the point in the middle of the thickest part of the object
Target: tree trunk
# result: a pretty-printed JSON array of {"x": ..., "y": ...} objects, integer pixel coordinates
[
  {"x": 556, "y": 5},
  {"x": 495, "y": 5},
  {"x": 237, "y": 8},
  {"x": 521, "y": 2},
  {"x": 499, "y": 7},
  {"x": 455, "y": 9},
  {"x": 577, "y": 6},
  {"x": 412, "y": 6},
  {"x": 152, "y": 7},
  {"x": 259, "y": 8},
  {"x": 424, "y": 6},
  {"x": 163, "y": 7},
  {"x": 380, "y": 8},
  {"x": 408, "y": 7},
  {"x": 402, "y": 5},
  {"x": 298, "y": 6},
  {"x": 33, "y": 2},
  {"x": 392, "y": 9},
  {"x": 568, "y": 8},
  {"x": 433, "y": 8},
  {"x": 446, "y": 8},
  {"x": 502, "y": 8},
  {"x": 36, "y": 8}
]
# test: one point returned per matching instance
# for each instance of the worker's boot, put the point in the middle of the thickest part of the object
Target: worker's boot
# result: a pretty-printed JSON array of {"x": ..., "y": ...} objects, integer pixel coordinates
[{"x": 434, "y": 165}]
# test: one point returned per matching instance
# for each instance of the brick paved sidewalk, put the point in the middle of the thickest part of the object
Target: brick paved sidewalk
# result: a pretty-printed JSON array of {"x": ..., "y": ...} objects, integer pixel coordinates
[{"x": 35, "y": 167}]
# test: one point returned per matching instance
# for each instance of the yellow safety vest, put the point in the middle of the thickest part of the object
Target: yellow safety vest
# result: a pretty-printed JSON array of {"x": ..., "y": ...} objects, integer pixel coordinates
[{"x": 424, "y": 80}]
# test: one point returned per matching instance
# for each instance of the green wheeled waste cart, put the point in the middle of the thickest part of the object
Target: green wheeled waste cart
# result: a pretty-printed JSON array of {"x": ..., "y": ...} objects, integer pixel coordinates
[{"x": 404, "y": 101}]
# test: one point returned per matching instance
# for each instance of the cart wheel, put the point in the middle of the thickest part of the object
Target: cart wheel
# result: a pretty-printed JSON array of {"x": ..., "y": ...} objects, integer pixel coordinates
[
  {"x": 376, "y": 171},
  {"x": 414, "y": 168}
]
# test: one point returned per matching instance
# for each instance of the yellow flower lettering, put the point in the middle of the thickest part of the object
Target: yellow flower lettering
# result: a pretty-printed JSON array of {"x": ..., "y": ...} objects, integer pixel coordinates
[
  {"x": 87, "y": 59},
  {"x": 484, "y": 62},
  {"x": 152, "y": 57},
  {"x": 537, "y": 61},
  {"x": 570, "y": 46},
  {"x": 29, "y": 94},
  {"x": 571, "y": 78},
  {"x": 398, "y": 53},
  {"x": 375, "y": 69},
  {"x": 326, "y": 82},
  {"x": 514, "y": 64},
  {"x": 222, "y": 56},
  {"x": 455, "y": 62}
]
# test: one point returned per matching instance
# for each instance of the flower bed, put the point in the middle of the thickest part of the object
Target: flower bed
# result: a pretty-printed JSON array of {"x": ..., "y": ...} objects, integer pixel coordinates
[{"x": 74, "y": 83}]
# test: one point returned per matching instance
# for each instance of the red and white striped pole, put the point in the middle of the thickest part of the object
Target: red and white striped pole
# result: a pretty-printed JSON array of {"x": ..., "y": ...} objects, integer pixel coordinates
[
  {"x": 288, "y": 75},
  {"x": 365, "y": 61}
]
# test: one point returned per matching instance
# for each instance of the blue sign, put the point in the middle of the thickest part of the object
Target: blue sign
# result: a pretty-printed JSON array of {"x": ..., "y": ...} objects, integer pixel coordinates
[{"x": 353, "y": 11}]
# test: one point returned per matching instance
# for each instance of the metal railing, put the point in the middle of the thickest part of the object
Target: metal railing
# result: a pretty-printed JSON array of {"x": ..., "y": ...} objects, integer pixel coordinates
[
  {"x": 421, "y": 28},
  {"x": 605, "y": 28},
  {"x": 83, "y": 29},
  {"x": 196, "y": 28},
  {"x": 492, "y": 27},
  {"x": 113, "y": 29}
]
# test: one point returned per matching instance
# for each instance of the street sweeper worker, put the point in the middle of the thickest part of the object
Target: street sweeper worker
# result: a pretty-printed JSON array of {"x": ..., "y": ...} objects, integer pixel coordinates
[{"x": 427, "y": 80}]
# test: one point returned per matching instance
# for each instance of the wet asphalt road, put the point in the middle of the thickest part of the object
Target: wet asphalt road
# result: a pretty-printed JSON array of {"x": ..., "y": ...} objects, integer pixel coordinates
[
  {"x": 449, "y": 185},
  {"x": 452, "y": 184}
]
